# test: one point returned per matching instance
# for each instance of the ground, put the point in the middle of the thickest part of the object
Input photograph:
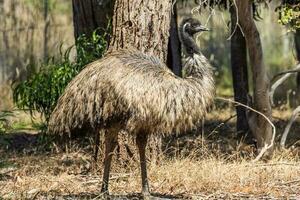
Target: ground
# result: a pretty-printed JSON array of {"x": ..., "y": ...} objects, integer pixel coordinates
[{"x": 206, "y": 164}]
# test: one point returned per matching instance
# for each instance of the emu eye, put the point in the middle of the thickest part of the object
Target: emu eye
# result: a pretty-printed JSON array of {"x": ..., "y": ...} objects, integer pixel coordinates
[{"x": 187, "y": 25}]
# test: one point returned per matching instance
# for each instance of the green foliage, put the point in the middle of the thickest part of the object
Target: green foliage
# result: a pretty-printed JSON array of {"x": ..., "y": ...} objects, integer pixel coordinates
[
  {"x": 289, "y": 14},
  {"x": 4, "y": 121},
  {"x": 42, "y": 90}
]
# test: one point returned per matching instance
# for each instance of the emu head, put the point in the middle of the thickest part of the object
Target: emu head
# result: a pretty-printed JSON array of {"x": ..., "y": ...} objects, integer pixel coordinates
[
  {"x": 188, "y": 28},
  {"x": 191, "y": 26}
]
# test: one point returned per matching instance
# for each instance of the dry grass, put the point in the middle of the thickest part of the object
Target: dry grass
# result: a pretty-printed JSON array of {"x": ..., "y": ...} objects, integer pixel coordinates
[
  {"x": 70, "y": 174},
  {"x": 195, "y": 167}
]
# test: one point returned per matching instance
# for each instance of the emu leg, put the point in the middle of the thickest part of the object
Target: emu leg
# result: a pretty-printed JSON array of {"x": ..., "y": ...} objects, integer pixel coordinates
[
  {"x": 111, "y": 140},
  {"x": 141, "y": 141},
  {"x": 96, "y": 147}
]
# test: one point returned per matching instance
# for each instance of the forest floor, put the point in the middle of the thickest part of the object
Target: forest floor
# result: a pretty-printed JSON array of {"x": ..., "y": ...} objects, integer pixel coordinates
[{"x": 209, "y": 164}]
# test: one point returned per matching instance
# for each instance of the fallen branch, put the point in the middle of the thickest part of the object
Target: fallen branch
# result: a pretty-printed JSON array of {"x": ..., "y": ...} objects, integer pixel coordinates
[
  {"x": 221, "y": 124},
  {"x": 288, "y": 126},
  {"x": 266, "y": 147},
  {"x": 286, "y": 75},
  {"x": 270, "y": 164},
  {"x": 295, "y": 70},
  {"x": 290, "y": 182}
]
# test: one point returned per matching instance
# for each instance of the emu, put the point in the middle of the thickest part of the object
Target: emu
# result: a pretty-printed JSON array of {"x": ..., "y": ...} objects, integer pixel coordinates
[{"x": 135, "y": 92}]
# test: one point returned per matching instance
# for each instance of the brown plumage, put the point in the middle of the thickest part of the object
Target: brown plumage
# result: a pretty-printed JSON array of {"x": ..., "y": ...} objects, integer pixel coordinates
[{"x": 131, "y": 91}]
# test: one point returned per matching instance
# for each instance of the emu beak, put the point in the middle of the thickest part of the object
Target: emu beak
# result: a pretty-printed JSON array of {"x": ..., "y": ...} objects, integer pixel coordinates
[{"x": 202, "y": 28}]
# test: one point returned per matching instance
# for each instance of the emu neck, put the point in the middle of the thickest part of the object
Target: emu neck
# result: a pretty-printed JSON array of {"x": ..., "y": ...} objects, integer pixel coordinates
[
  {"x": 189, "y": 44},
  {"x": 196, "y": 66}
]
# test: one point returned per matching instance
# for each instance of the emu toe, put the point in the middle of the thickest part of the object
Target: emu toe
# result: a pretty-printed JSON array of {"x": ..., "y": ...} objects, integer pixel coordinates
[{"x": 146, "y": 195}]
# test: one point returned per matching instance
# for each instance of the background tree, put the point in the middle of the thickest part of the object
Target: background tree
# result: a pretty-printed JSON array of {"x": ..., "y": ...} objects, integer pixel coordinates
[
  {"x": 46, "y": 28},
  {"x": 89, "y": 15},
  {"x": 297, "y": 47},
  {"x": 259, "y": 126},
  {"x": 239, "y": 72},
  {"x": 174, "y": 46}
]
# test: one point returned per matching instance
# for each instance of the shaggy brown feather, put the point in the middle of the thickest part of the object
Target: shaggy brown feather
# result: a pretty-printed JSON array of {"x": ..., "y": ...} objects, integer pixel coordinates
[{"x": 137, "y": 91}]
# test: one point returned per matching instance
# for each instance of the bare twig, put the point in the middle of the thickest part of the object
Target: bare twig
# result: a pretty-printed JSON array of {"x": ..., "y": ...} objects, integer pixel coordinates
[
  {"x": 173, "y": 5},
  {"x": 286, "y": 75},
  {"x": 297, "y": 69},
  {"x": 222, "y": 123},
  {"x": 270, "y": 164},
  {"x": 267, "y": 146},
  {"x": 290, "y": 182},
  {"x": 236, "y": 23},
  {"x": 288, "y": 126},
  {"x": 197, "y": 8}
]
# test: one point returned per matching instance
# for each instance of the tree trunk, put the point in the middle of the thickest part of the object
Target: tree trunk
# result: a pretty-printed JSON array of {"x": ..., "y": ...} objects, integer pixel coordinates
[
  {"x": 2, "y": 18},
  {"x": 174, "y": 46},
  {"x": 239, "y": 73},
  {"x": 89, "y": 15},
  {"x": 144, "y": 25},
  {"x": 259, "y": 126},
  {"x": 297, "y": 46},
  {"x": 46, "y": 29}
]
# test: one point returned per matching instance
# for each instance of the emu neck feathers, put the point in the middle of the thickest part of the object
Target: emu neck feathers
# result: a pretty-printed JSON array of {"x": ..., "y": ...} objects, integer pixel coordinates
[
  {"x": 196, "y": 65},
  {"x": 189, "y": 43}
]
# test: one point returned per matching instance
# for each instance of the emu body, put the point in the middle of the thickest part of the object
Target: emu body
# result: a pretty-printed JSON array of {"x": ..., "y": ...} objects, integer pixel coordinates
[{"x": 131, "y": 91}]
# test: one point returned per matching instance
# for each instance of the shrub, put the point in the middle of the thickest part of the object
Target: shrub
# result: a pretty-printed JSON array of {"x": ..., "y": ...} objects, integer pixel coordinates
[
  {"x": 41, "y": 90},
  {"x": 3, "y": 120},
  {"x": 289, "y": 14}
]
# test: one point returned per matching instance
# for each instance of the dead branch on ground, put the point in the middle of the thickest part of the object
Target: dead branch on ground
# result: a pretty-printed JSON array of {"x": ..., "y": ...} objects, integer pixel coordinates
[
  {"x": 286, "y": 75},
  {"x": 288, "y": 126},
  {"x": 267, "y": 146}
]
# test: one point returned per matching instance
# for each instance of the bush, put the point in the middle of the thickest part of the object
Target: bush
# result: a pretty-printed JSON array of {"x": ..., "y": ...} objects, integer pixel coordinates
[
  {"x": 289, "y": 14},
  {"x": 3, "y": 120},
  {"x": 41, "y": 90}
]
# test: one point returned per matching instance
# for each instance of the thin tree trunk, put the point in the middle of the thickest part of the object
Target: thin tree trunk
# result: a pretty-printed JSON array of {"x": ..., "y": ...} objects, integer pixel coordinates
[
  {"x": 89, "y": 15},
  {"x": 2, "y": 18},
  {"x": 297, "y": 46},
  {"x": 144, "y": 25},
  {"x": 174, "y": 46},
  {"x": 239, "y": 73},
  {"x": 46, "y": 27},
  {"x": 259, "y": 127}
]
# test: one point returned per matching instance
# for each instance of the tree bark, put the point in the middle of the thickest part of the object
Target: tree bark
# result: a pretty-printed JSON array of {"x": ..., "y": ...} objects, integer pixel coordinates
[
  {"x": 297, "y": 46},
  {"x": 46, "y": 29},
  {"x": 89, "y": 15},
  {"x": 143, "y": 25},
  {"x": 239, "y": 73},
  {"x": 259, "y": 126},
  {"x": 174, "y": 46}
]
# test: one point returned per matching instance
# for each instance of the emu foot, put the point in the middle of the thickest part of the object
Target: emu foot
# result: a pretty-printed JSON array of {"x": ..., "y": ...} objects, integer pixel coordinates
[
  {"x": 146, "y": 195},
  {"x": 104, "y": 193}
]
